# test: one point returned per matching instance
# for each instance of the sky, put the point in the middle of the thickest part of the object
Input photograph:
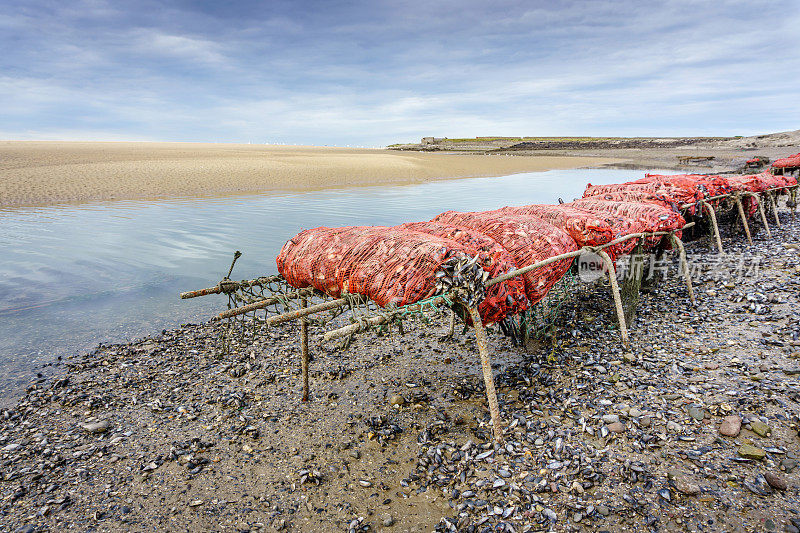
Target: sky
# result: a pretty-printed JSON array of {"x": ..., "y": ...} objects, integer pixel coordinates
[{"x": 381, "y": 72}]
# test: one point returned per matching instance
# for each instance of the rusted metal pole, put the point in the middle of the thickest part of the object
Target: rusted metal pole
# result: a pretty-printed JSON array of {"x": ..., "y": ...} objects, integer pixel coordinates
[
  {"x": 293, "y": 315},
  {"x": 525, "y": 270},
  {"x": 612, "y": 280},
  {"x": 775, "y": 211},
  {"x": 366, "y": 323},
  {"x": 685, "y": 266},
  {"x": 304, "y": 349},
  {"x": 744, "y": 218},
  {"x": 486, "y": 365},
  {"x": 230, "y": 286},
  {"x": 763, "y": 214},
  {"x": 201, "y": 292},
  {"x": 714, "y": 225},
  {"x": 302, "y": 293}
]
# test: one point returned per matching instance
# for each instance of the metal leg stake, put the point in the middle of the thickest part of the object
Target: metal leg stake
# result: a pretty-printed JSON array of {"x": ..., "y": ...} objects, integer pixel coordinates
[
  {"x": 486, "y": 365},
  {"x": 612, "y": 279},
  {"x": 685, "y": 266},
  {"x": 304, "y": 349},
  {"x": 744, "y": 219},
  {"x": 761, "y": 200},
  {"x": 714, "y": 225},
  {"x": 775, "y": 211}
]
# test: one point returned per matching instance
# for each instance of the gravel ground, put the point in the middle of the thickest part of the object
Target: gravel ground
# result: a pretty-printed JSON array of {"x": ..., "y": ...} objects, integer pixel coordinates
[{"x": 695, "y": 429}]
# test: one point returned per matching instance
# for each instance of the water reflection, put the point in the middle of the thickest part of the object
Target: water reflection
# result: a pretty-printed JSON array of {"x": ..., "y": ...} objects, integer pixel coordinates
[{"x": 73, "y": 276}]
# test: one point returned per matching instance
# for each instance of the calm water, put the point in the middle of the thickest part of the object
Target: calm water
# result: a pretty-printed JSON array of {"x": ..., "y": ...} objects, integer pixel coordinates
[{"x": 73, "y": 276}]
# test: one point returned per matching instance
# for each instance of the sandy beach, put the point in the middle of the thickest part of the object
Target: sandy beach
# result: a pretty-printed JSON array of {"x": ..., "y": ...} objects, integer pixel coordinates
[{"x": 44, "y": 173}]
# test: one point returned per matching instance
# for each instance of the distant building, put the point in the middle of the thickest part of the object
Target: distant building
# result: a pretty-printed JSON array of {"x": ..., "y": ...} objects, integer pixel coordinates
[{"x": 432, "y": 140}]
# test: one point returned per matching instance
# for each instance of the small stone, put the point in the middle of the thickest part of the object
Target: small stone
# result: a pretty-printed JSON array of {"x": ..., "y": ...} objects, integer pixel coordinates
[
  {"x": 685, "y": 486},
  {"x": 788, "y": 464},
  {"x": 617, "y": 427},
  {"x": 195, "y": 503},
  {"x": 791, "y": 371},
  {"x": 11, "y": 447},
  {"x": 752, "y": 452},
  {"x": 388, "y": 520},
  {"x": 603, "y": 510},
  {"x": 645, "y": 421},
  {"x": 760, "y": 428},
  {"x": 365, "y": 483},
  {"x": 610, "y": 419},
  {"x": 775, "y": 481},
  {"x": 697, "y": 412},
  {"x": 731, "y": 426},
  {"x": 634, "y": 413},
  {"x": 97, "y": 427},
  {"x": 397, "y": 400},
  {"x": 674, "y": 427}
]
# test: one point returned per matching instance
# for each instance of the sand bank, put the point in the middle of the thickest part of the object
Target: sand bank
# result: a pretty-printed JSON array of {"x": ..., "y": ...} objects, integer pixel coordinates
[{"x": 43, "y": 173}]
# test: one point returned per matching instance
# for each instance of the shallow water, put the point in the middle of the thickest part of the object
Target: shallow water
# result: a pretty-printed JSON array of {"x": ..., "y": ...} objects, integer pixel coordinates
[{"x": 73, "y": 276}]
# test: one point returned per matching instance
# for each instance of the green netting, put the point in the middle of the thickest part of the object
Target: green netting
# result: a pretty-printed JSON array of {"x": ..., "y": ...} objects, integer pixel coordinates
[
  {"x": 539, "y": 320},
  {"x": 631, "y": 271}
]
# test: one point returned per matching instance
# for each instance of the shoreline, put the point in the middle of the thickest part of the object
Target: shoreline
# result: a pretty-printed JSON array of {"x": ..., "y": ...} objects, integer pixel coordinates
[
  {"x": 169, "y": 432},
  {"x": 38, "y": 173}
]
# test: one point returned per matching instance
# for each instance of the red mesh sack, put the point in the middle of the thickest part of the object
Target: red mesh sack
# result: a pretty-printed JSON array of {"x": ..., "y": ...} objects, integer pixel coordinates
[
  {"x": 528, "y": 239},
  {"x": 642, "y": 217},
  {"x": 701, "y": 185},
  {"x": 639, "y": 197},
  {"x": 387, "y": 265},
  {"x": 502, "y": 299},
  {"x": 750, "y": 182},
  {"x": 584, "y": 228},
  {"x": 791, "y": 162},
  {"x": 788, "y": 181},
  {"x": 647, "y": 187}
]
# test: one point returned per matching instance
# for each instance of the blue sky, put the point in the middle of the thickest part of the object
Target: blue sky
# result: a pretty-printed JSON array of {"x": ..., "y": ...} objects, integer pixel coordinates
[{"x": 373, "y": 73}]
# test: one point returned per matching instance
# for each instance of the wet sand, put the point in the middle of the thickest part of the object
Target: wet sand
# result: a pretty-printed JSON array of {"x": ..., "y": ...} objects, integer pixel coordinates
[{"x": 45, "y": 173}]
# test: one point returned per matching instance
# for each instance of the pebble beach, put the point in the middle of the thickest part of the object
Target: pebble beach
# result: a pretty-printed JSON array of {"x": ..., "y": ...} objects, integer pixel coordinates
[{"x": 695, "y": 429}]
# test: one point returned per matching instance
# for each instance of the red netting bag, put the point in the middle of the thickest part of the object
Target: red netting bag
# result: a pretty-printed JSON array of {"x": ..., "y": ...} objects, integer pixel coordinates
[
  {"x": 528, "y": 239},
  {"x": 788, "y": 180},
  {"x": 701, "y": 185},
  {"x": 585, "y": 228},
  {"x": 750, "y": 182},
  {"x": 646, "y": 218},
  {"x": 791, "y": 162},
  {"x": 640, "y": 197},
  {"x": 769, "y": 181},
  {"x": 387, "y": 265},
  {"x": 502, "y": 299},
  {"x": 648, "y": 188}
]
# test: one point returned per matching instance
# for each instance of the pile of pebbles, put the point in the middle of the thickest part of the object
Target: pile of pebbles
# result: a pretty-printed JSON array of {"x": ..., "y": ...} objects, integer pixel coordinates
[{"x": 696, "y": 428}]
